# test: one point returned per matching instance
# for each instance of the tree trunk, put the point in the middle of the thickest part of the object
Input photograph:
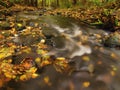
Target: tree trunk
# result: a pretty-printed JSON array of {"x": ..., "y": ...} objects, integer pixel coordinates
[
  {"x": 42, "y": 3},
  {"x": 74, "y": 2},
  {"x": 34, "y": 3},
  {"x": 58, "y": 3}
]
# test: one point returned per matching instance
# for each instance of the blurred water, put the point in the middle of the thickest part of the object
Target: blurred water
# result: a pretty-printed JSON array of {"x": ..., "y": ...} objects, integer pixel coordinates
[{"x": 95, "y": 67}]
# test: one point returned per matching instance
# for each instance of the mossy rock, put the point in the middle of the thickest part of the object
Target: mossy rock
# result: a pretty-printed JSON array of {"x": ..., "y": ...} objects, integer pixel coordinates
[
  {"x": 27, "y": 40},
  {"x": 113, "y": 40},
  {"x": 5, "y": 26},
  {"x": 49, "y": 33}
]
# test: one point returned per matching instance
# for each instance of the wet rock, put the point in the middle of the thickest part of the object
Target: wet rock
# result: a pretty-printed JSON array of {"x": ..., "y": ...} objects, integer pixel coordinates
[
  {"x": 32, "y": 23},
  {"x": 28, "y": 16},
  {"x": 17, "y": 59},
  {"x": 59, "y": 41},
  {"x": 49, "y": 33},
  {"x": 26, "y": 40},
  {"x": 56, "y": 42},
  {"x": 5, "y": 26},
  {"x": 112, "y": 40}
]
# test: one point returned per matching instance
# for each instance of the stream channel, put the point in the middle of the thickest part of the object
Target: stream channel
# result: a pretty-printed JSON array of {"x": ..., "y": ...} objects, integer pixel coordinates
[{"x": 95, "y": 67}]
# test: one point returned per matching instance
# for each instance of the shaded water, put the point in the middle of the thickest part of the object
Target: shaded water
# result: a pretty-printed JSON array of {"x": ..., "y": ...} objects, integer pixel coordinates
[{"x": 94, "y": 67}]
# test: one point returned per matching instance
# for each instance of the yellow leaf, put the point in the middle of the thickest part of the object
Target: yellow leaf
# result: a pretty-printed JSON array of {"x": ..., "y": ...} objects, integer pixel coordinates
[
  {"x": 23, "y": 77},
  {"x": 34, "y": 75},
  {"x": 5, "y": 52},
  {"x": 113, "y": 73},
  {"x": 60, "y": 58},
  {"x": 33, "y": 70},
  {"x": 44, "y": 63},
  {"x": 47, "y": 80},
  {"x": 19, "y": 25},
  {"x": 27, "y": 50},
  {"x": 38, "y": 60},
  {"x": 113, "y": 55},
  {"x": 86, "y": 84},
  {"x": 86, "y": 58}
]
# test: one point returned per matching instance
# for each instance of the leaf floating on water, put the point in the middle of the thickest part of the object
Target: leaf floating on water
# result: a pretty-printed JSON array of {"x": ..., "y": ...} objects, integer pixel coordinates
[
  {"x": 60, "y": 58},
  {"x": 112, "y": 73},
  {"x": 99, "y": 62},
  {"x": 86, "y": 58},
  {"x": 34, "y": 75},
  {"x": 114, "y": 68},
  {"x": 86, "y": 84},
  {"x": 91, "y": 68},
  {"x": 113, "y": 55},
  {"x": 47, "y": 80}
]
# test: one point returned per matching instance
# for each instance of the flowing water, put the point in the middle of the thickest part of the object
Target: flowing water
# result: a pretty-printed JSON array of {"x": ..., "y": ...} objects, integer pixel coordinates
[{"x": 95, "y": 67}]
